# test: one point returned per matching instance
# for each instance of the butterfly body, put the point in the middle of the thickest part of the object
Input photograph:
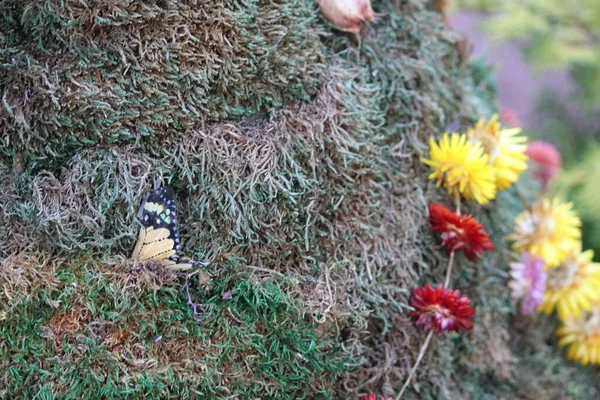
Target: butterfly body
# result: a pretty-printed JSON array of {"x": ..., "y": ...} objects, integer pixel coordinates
[{"x": 158, "y": 239}]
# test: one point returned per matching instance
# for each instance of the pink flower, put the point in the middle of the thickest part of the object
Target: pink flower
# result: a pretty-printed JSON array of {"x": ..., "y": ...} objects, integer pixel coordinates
[
  {"x": 528, "y": 282},
  {"x": 546, "y": 159},
  {"x": 510, "y": 118}
]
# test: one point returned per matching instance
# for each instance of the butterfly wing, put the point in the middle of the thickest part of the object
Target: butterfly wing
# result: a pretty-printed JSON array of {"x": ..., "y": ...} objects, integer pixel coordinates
[
  {"x": 154, "y": 244},
  {"x": 181, "y": 263},
  {"x": 159, "y": 237},
  {"x": 158, "y": 210}
]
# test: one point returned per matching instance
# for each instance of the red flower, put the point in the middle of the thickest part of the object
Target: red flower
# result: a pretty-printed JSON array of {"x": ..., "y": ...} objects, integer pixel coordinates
[
  {"x": 546, "y": 160},
  {"x": 459, "y": 232},
  {"x": 373, "y": 396},
  {"x": 441, "y": 309}
]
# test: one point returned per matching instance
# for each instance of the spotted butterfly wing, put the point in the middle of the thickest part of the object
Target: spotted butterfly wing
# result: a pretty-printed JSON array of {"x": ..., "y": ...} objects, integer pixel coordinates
[{"x": 158, "y": 239}]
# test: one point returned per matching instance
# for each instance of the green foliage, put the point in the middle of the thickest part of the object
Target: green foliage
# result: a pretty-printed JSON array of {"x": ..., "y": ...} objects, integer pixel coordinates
[
  {"x": 580, "y": 184},
  {"x": 558, "y": 34},
  {"x": 588, "y": 77}
]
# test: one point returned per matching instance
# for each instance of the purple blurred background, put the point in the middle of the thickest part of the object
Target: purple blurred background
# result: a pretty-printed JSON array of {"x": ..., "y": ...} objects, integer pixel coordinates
[{"x": 519, "y": 87}]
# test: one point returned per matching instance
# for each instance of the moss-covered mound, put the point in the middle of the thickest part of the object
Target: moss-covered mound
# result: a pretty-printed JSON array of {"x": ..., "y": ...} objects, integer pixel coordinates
[{"x": 294, "y": 151}]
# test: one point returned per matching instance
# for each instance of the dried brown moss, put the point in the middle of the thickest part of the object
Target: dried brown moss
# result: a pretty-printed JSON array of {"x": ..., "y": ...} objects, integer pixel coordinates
[{"x": 79, "y": 74}]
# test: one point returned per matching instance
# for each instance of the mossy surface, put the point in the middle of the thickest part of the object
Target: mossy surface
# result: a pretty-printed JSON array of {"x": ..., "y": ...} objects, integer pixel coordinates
[{"x": 294, "y": 151}]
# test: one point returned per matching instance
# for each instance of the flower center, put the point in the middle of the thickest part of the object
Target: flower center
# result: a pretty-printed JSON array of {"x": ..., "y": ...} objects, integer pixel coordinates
[
  {"x": 589, "y": 323},
  {"x": 453, "y": 236},
  {"x": 538, "y": 227},
  {"x": 523, "y": 288},
  {"x": 441, "y": 314},
  {"x": 488, "y": 137},
  {"x": 565, "y": 275}
]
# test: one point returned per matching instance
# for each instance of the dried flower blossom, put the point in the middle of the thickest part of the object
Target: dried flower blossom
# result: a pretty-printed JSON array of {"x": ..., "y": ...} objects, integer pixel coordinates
[
  {"x": 573, "y": 286},
  {"x": 549, "y": 230},
  {"x": 373, "y": 396},
  {"x": 505, "y": 147},
  {"x": 581, "y": 335},
  {"x": 510, "y": 118},
  {"x": 528, "y": 282},
  {"x": 459, "y": 232},
  {"x": 462, "y": 168},
  {"x": 546, "y": 161},
  {"x": 349, "y": 15},
  {"x": 441, "y": 309}
]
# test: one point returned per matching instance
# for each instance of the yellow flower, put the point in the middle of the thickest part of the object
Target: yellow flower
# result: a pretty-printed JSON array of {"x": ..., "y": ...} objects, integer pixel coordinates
[
  {"x": 573, "y": 286},
  {"x": 549, "y": 230},
  {"x": 462, "y": 168},
  {"x": 505, "y": 147},
  {"x": 582, "y": 336}
]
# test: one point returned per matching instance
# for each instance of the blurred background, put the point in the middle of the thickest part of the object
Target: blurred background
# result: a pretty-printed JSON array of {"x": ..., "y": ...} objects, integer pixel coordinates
[{"x": 546, "y": 60}]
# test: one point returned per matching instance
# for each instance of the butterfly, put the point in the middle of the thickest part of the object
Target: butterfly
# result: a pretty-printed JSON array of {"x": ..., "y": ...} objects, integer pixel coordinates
[{"x": 158, "y": 239}]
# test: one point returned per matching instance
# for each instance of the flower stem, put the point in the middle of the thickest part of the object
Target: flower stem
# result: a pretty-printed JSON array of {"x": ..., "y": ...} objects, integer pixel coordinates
[
  {"x": 449, "y": 269},
  {"x": 414, "y": 368},
  {"x": 451, "y": 260},
  {"x": 430, "y": 334}
]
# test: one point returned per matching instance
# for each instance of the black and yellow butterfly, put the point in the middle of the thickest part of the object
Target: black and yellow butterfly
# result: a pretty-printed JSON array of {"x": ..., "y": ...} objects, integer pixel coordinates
[{"x": 159, "y": 238}]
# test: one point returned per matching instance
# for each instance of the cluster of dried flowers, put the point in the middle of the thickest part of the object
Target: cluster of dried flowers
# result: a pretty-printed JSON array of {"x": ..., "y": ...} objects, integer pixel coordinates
[
  {"x": 555, "y": 274},
  {"x": 550, "y": 273},
  {"x": 478, "y": 163},
  {"x": 473, "y": 165}
]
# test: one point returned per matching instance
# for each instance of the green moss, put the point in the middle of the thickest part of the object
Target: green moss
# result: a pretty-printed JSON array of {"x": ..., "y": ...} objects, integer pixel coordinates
[{"x": 259, "y": 342}]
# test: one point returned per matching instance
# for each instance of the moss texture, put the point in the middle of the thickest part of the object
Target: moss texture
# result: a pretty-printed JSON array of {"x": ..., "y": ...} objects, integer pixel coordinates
[{"x": 294, "y": 150}]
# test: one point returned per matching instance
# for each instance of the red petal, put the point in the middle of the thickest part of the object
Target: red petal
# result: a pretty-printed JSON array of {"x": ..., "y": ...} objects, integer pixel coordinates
[
  {"x": 459, "y": 232},
  {"x": 441, "y": 309}
]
